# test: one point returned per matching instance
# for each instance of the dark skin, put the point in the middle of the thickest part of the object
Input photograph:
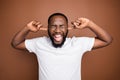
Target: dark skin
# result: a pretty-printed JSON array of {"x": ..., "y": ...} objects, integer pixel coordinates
[{"x": 58, "y": 28}]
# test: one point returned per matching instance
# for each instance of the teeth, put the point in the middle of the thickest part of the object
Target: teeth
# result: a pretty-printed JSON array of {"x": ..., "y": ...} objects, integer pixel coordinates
[{"x": 58, "y": 38}]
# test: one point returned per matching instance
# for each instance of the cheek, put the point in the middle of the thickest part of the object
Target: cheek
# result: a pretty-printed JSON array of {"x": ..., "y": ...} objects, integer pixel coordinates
[
  {"x": 62, "y": 31},
  {"x": 50, "y": 32},
  {"x": 65, "y": 31}
]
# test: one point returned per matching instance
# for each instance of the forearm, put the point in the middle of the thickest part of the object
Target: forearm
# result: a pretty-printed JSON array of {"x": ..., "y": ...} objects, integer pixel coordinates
[
  {"x": 20, "y": 37},
  {"x": 101, "y": 34}
]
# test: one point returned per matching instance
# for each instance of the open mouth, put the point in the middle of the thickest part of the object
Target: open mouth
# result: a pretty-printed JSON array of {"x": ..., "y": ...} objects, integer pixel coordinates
[{"x": 57, "y": 38}]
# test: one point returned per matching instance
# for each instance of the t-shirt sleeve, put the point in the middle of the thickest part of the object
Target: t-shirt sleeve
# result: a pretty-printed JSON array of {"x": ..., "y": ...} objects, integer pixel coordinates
[
  {"x": 30, "y": 45},
  {"x": 86, "y": 43}
]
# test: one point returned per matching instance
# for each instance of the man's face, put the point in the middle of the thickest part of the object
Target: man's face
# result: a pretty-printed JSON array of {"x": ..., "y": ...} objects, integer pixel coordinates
[{"x": 57, "y": 30}]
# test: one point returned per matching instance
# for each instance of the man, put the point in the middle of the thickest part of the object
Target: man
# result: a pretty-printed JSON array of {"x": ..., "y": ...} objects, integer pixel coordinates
[{"x": 59, "y": 57}]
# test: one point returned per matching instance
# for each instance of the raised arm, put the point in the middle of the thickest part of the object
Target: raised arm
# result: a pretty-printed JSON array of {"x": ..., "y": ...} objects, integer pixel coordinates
[
  {"x": 102, "y": 38},
  {"x": 18, "y": 40}
]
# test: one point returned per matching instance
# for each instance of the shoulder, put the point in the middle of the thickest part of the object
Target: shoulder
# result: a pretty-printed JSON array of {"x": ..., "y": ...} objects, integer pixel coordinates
[
  {"x": 37, "y": 39},
  {"x": 81, "y": 40}
]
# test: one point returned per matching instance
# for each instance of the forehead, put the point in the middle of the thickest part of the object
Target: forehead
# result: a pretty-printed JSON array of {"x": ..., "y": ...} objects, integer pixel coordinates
[{"x": 58, "y": 18}]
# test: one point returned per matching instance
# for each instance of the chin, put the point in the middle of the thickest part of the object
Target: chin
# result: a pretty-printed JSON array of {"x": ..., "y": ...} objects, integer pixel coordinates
[{"x": 58, "y": 44}]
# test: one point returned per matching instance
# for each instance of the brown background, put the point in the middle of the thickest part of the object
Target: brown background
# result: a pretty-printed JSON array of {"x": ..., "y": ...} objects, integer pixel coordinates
[{"x": 101, "y": 64}]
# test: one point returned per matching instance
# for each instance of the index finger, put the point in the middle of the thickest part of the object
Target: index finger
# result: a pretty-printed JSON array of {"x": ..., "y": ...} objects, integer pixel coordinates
[{"x": 43, "y": 28}]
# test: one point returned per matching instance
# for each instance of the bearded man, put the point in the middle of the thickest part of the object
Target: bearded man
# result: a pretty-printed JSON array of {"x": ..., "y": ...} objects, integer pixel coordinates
[{"x": 59, "y": 57}]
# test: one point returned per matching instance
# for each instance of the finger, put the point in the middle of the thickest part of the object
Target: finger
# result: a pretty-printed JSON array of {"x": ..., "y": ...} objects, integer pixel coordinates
[
  {"x": 70, "y": 28},
  {"x": 83, "y": 19},
  {"x": 37, "y": 23},
  {"x": 44, "y": 29},
  {"x": 39, "y": 26},
  {"x": 34, "y": 22},
  {"x": 78, "y": 21},
  {"x": 83, "y": 25},
  {"x": 85, "y": 22},
  {"x": 73, "y": 23}
]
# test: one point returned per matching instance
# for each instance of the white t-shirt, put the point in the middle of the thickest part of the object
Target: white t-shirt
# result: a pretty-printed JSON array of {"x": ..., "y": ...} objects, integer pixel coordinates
[{"x": 59, "y": 63}]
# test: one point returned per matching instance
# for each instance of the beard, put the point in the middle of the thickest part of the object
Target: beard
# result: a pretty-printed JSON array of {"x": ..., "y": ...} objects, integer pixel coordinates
[{"x": 55, "y": 44}]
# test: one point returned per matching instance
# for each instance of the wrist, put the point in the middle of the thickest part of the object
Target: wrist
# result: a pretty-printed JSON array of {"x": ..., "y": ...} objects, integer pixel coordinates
[
  {"x": 26, "y": 28},
  {"x": 91, "y": 24}
]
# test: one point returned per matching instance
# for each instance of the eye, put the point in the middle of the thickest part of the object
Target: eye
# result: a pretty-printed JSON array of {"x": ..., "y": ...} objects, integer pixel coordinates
[
  {"x": 53, "y": 26},
  {"x": 62, "y": 26}
]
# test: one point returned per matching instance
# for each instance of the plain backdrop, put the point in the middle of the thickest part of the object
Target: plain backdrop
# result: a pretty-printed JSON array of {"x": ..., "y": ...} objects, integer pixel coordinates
[{"x": 100, "y": 64}]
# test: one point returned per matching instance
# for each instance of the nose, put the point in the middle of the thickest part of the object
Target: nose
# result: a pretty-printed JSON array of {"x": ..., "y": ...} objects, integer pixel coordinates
[{"x": 57, "y": 29}]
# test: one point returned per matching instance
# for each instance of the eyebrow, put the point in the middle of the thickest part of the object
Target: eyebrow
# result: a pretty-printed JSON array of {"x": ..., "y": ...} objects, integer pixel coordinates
[{"x": 55, "y": 24}]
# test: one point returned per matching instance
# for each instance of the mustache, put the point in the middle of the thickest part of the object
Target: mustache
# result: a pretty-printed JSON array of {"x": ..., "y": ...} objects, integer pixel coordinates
[
  {"x": 58, "y": 33},
  {"x": 61, "y": 44}
]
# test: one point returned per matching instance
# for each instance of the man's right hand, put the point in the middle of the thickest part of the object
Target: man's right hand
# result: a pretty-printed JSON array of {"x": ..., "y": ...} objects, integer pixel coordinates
[
  {"x": 34, "y": 26},
  {"x": 18, "y": 40}
]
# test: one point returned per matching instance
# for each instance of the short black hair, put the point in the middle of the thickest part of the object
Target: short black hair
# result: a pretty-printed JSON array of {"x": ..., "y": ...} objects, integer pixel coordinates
[{"x": 57, "y": 14}]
